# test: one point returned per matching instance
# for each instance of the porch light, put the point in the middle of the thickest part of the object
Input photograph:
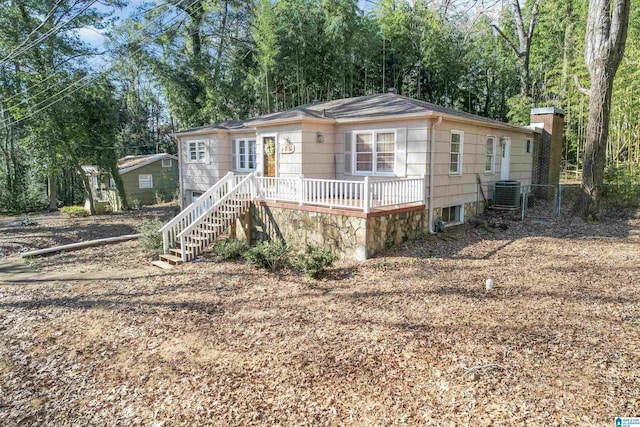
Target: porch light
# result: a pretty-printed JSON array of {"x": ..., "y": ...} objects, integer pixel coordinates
[{"x": 319, "y": 138}]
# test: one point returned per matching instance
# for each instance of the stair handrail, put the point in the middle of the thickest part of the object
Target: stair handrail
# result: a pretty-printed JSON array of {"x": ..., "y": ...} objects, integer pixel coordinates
[
  {"x": 192, "y": 206},
  {"x": 170, "y": 228},
  {"x": 217, "y": 205}
]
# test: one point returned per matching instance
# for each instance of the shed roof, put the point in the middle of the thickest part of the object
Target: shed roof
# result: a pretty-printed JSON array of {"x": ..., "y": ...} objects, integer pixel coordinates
[{"x": 129, "y": 163}]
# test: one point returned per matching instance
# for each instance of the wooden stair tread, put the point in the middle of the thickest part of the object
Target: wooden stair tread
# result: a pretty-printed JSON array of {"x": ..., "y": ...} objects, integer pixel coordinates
[
  {"x": 171, "y": 258},
  {"x": 163, "y": 265}
]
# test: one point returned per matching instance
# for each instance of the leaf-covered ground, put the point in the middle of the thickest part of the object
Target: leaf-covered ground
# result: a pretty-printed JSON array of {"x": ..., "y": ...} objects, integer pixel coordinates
[{"x": 409, "y": 338}]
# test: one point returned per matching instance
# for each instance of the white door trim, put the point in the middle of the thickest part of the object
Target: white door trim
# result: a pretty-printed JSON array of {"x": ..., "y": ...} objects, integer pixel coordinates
[{"x": 505, "y": 164}]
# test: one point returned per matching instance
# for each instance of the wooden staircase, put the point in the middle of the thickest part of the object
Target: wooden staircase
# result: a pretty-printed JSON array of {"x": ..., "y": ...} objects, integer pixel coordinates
[{"x": 187, "y": 235}]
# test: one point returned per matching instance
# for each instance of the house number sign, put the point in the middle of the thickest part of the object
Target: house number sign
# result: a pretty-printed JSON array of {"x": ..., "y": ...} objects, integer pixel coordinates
[{"x": 287, "y": 147}]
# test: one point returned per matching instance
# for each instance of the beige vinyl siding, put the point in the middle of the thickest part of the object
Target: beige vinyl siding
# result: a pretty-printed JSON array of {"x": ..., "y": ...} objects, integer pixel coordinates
[
  {"x": 200, "y": 176},
  {"x": 453, "y": 190},
  {"x": 318, "y": 157},
  {"x": 165, "y": 183}
]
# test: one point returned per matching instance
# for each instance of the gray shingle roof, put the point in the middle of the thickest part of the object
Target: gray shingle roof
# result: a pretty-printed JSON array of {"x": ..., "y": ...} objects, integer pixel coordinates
[{"x": 386, "y": 104}]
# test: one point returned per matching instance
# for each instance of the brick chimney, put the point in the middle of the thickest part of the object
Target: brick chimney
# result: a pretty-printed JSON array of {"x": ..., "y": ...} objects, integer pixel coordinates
[{"x": 547, "y": 147}]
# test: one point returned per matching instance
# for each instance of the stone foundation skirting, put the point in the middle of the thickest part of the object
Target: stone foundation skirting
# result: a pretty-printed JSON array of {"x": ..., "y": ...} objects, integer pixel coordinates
[{"x": 347, "y": 234}]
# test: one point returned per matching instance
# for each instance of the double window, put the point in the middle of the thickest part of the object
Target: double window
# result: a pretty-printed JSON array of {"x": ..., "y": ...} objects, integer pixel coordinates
[
  {"x": 374, "y": 152},
  {"x": 196, "y": 151},
  {"x": 245, "y": 154},
  {"x": 456, "y": 144},
  {"x": 490, "y": 154}
]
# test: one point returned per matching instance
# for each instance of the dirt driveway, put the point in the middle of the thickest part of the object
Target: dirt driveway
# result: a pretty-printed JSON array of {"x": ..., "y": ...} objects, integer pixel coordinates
[{"x": 409, "y": 338}]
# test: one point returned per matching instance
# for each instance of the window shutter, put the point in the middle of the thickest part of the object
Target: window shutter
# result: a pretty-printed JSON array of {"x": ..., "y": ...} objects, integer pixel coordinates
[
  {"x": 401, "y": 152},
  {"x": 233, "y": 154},
  {"x": 348, "y": 136}
]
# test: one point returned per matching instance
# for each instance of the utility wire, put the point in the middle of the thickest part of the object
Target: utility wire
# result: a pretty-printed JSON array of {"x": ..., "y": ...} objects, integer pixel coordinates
[
  {"x": 9, "y": 121},
  {"x": 46, "y": 35},
  {"x": 26, "y": 91},
  {"x": 26, "y": 39}
]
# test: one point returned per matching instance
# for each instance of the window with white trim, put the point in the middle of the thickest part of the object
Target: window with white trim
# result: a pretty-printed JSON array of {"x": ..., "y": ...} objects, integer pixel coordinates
[
  {"x": 145, "y": 181},
  {"x": 490, "y": 154},
  {"x": 374, "y": 152},
  {"x": 166, "y": 163},
  {"x": 196, "y": 151},
  {"x": 245, "y": 155},
  {"x": 455, "y": 145}
]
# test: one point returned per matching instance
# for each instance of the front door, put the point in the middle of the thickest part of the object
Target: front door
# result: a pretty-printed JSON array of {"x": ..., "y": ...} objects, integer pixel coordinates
[
  {"x": 269, "y": 150},
  {"x": 506, "y": 159}
]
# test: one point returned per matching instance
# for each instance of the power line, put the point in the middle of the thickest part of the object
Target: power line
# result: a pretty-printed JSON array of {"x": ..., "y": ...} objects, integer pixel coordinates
[
  {"x": 46, "y": 35},
  {"x": 26, "y": 91},
  {"x": 46, "y": 18},
  {"x": 9, "y": 121}
]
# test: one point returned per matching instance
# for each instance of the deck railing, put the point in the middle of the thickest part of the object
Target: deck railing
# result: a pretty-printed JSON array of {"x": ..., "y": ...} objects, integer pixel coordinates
[{"x": 361, "y": 195}]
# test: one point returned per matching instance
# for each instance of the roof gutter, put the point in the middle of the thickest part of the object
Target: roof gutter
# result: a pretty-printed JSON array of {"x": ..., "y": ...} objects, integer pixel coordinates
[{"x": 432, "y": 140}]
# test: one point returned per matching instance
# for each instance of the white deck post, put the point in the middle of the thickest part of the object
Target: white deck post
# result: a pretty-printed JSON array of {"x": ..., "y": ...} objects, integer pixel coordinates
[
  {"x": 367, "y": 190},
  {"x": 165, "y": 241},
  {"x": 424, "y": 189},
  {"x": 301, "y": 189}
]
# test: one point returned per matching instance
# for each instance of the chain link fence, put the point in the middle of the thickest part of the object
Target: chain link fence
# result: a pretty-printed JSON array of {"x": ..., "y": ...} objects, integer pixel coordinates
[{"x": 543, "y": 202}]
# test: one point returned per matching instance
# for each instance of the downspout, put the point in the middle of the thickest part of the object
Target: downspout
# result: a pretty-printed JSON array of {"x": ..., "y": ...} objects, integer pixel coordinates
[
  {"x": 181, "y": 197},
  {"x": 432, "y": 141}
]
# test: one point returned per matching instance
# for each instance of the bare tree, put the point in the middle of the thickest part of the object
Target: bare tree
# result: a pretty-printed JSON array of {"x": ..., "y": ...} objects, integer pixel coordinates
[
  {"x": 523, "y": 48},
  {"x": 606, "y": 37}
]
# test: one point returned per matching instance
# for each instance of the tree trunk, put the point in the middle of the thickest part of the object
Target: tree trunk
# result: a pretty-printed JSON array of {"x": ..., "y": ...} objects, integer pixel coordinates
[
  {"x": 605, "y": 41},
  {"x": 87, "y": 189},
  {"x": 587, "y": 204},
  {"x": 51, "y": 188}
]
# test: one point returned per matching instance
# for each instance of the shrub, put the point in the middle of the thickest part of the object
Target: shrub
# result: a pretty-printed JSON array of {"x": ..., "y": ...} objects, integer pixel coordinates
[
  {"x": 151, "y": 240},
  {"x": 272, "y": 255},
  {"x": 313, "y": 261},
  {"x": 27, "y": 221},
  {"x": 74, "y": 211},
  {"x": 229, "y": 248},
  {"x": 135, "y": 204}
]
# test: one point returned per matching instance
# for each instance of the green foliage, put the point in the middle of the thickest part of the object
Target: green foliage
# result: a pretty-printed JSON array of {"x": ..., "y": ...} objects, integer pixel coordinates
[
  {"x": 519, "y": 109},
  {"x": 27, "y": 221},
  {"x": 272, "y": 255},
  {"x": 622, "y": 187},
  {"x": 313, "y": 261},
  {"x": 229, "y": 248},
  {"x": 151, "y": 240},
  {"x": 74, "y": 211}
]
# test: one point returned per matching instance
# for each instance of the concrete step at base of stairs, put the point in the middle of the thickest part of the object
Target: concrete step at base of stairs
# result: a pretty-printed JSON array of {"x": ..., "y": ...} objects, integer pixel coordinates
[{"x": 163, "y": 265}]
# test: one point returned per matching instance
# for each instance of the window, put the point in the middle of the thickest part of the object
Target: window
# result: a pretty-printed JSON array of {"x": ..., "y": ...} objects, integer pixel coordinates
[
  {"x": 166, "y": 163},
  {"x": 457, "y": 141},
  {"x": 529, "y": 145},
  {"x": 374, "y": 153},
  {"x": 195, "y": 195},
  {"x": 196, "y": 151},
  {"x": 490, "y": 154},
  {"x": 245, "y": 154},
  {"x": 145, "y": 181},
  {"x": 451, "y": 214}
]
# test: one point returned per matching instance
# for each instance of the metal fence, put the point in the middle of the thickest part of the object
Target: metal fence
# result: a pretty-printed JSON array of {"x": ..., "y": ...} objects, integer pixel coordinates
[{"x": 540, "y": 202}]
